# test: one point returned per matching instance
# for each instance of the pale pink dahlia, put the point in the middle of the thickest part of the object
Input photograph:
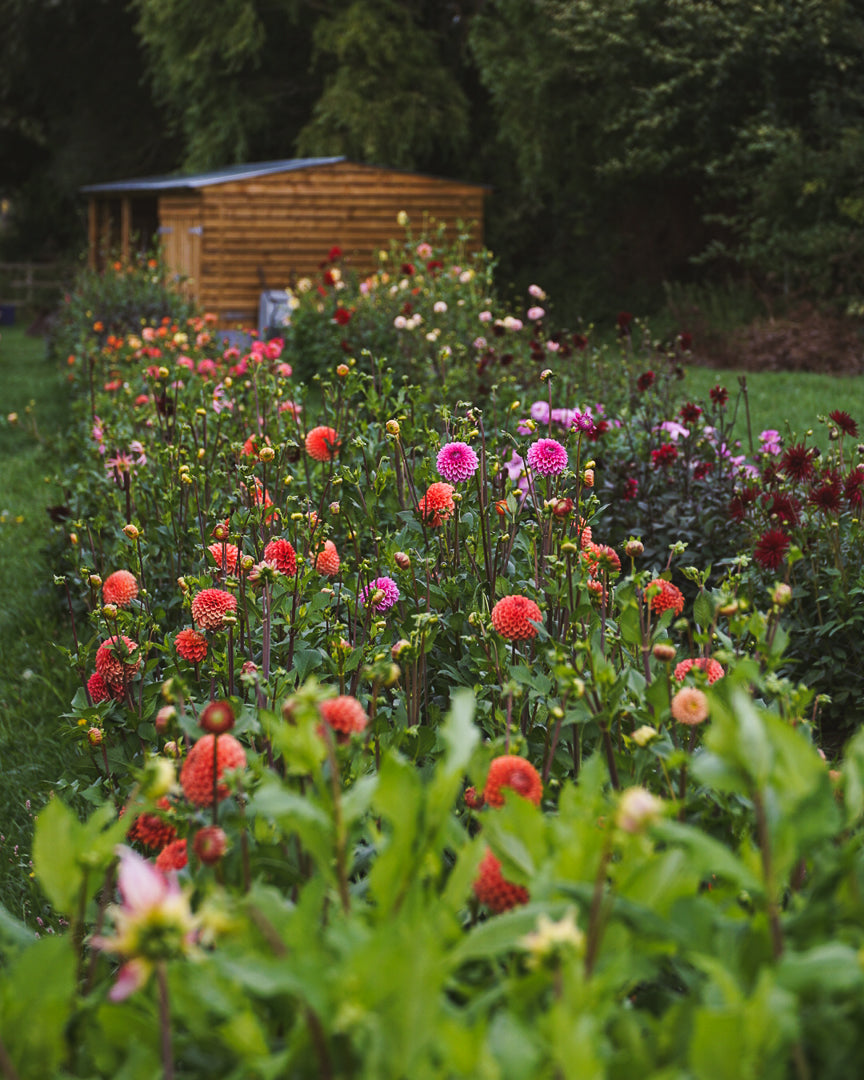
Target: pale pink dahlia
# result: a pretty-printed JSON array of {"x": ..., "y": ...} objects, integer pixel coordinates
[
  {"x": 547, "y": 457},
  {"x": 457, "y": 462}
]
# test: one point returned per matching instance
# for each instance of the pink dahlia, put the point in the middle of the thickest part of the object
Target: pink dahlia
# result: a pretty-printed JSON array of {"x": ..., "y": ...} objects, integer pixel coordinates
[
  {"x": 708, "y": 664},
  {"x": 547, "y": 457},
  {"x": 385, "y": 585},
  {"x": 457, "y": 462}
]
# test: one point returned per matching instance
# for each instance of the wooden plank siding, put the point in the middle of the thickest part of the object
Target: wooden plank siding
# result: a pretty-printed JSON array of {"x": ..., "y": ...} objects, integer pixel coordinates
[
  {"x": 232, "y": 238},
  {"x": 271, "y": 230}
]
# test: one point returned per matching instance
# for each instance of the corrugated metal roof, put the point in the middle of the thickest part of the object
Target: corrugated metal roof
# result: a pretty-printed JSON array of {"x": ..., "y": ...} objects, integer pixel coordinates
[{"x": 205, "y": 179}]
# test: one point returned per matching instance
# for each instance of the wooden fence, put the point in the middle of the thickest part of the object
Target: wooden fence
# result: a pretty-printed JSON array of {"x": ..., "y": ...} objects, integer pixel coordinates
[{"x": 28, "y": 284}]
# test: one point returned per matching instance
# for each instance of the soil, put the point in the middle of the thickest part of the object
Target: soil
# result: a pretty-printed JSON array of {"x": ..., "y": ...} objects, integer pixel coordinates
[{"x": 805, "y": 339}]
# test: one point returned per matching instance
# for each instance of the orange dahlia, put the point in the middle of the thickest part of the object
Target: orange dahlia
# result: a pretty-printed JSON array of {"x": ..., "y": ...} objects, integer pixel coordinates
[
  {"x": 344, "y": 714},
  {"x": 196, "y": 776},
  {"x": 152, "y": 830},
  {"x": 118, "y": 659},
  {"x": 328, "y": 560},
  {"x": 210, "y": 606},
  {"x": 282, "y": 555},
  {"x": 190, "y": 645},
  {"x": 493, "y": 890},
  {"x": 322, "y": 443},
  {"x": 437, "y": 504},
  {"x": 668, "y": 598},
  {"x": 512, "y": 617},
  {"x": 512, "y": 771},
  {"x": 120, "y": 588}
]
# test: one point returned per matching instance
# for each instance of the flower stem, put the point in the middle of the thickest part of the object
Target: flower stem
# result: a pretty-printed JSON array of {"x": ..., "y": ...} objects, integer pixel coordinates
[{"x": 165, "y": 1021}]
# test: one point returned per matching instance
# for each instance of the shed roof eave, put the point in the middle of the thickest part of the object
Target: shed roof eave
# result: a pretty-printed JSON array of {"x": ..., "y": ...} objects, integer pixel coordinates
[{"x": 193, "y": 181}]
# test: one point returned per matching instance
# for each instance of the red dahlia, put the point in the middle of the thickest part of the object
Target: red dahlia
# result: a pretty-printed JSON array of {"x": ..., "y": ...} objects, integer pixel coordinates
[
  {"x": 513, "y": 616},
  {"x": 152, "y": 830},
  {"x": 210, "y": 844},
  {"x": 844, "y": 422},
  {"x": 827, "y": 495},
  {"x": 172, "y": 857},
  {"x": 282, "y": 555},
  {"x": 512, "y": 771},
  {"x": 437, "y": 504},
  {"x": 227, "y": 560},
  {"x": 99, "y": 690},
  {"x": 118, "y": 659},
  {"x": 210, "y": 606},
  {"x": 719, "y": 395},
  {"x": 493, "y": 890},
  {"x": 797, "y": 462},
  {"x": 190, "y": 645},
  {"x": 196, "y": 776}
]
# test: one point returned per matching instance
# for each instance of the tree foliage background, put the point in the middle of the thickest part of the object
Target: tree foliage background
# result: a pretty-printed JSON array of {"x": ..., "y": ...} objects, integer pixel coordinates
[{"x": 627, "y": 142}]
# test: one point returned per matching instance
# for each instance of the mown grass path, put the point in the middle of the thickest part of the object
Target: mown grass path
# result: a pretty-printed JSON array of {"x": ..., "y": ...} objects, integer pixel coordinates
[{"x": 34, "y": 684}]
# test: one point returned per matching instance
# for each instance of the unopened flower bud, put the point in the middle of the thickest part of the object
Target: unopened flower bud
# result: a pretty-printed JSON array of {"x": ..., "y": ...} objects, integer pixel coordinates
[
  {"x": 637, "y": 810},
  {"x": 73, "y": 539},
  {"x": 782, "y": 594},
  {"x": 335, "y": 508},
  {"x": 220, "y": 531},
  {"x": 588, "y": 478},
  {"x": 109, "y": 611},
  {"x": 634, "y": 548},
  {"x": 217, "y": 718},
  {"x": 183, "y": 584},
  {"x": 545, "y": 374},
  {"x": 569, "y": 548},
  {"x": 246, "y": 563},
  {"x": 402, "y": 560},
  {"x": 643, "y": 735},
  {"x": 266, "y": 453},
  {"x": 95, "y": 580},
  {"x": 131, "y": 531},
  {"x": 392, "y": 427},
  {"x": 728, "y": 609},
  {"x": 665, "y": 652},
  {"x": 401, "y": 645},
  {"x": 164, "y": 717},
  {"x": 171, "y": 749},
  {"x": 94, "y": 736},
  {"x": 342, "y": 370},
  {"x": 210, "y": 844}
]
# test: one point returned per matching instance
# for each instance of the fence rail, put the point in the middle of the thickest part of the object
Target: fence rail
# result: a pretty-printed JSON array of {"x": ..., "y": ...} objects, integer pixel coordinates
[{"x": 26, "y": 282}]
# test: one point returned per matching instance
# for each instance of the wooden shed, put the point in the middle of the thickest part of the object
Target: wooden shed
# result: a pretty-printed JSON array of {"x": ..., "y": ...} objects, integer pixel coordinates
[{"x": 236, "y": 232}]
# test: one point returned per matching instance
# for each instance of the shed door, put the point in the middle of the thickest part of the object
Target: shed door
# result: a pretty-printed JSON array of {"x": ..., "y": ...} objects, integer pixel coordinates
[{"x": 181, "y": 233}]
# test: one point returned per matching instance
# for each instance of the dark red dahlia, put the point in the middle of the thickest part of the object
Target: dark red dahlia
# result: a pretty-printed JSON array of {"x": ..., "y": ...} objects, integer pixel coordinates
[
  {"x": 719, "y": 395},
  {"x": 645, "y": 381},
  {"x": 702, "y": 469},
  {"x": 852, "y": 486},
  {"x": 771, "y": 549},
  {"x": 844, "y": 422},
  {"x": 797, "y": 462},
  {"x": 631, "y": 488},
  {"x": 624, "y": 319},
  {"x": 664, "y": 456},
  {"x": 690, "y": 413},
  {"x": 784, "y": 507},
  {"x": 827, "y": 496}
]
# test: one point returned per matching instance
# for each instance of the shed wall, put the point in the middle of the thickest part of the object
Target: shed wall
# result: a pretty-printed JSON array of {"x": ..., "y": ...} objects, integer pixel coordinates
[{"x": 267, "y": 232}]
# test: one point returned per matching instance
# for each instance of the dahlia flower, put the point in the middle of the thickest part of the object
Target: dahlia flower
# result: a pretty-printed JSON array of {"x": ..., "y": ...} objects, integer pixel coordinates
[
  {"x": 514, "y": 772},
  {"x": 547, "y": 457},
  {"x": 196, "y": 775},
  {"x": 513, "y": 617},
  {"x": 210, "y": 606},
  {"x": 120, "y": 588},
  {"x": 493, "y": 890},
  {"x": 456, "y": 462},
  {"x": 388, "y": 587},
  {"x": 322, "y": 443}
]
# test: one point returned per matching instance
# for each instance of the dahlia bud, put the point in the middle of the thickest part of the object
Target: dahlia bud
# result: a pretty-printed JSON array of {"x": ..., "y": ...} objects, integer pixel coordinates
[
  {"x": 164, "y": 372},
  {"x": 164, "y": 717},
  {"x": 588, "y": 478},
  {"x": 335, "y": 508},
  {"x": 342, "y": 370},
  {"x": 171, "y": 749},
  {"x": 220, "y": 531},
  {"x": 266, "y": 453},
  {"x": 131, "y": 531},
  {"x": 402, "y": 560},
  {"x": 73, "y": 539},
  {"x": 728, "y": 609},
  {"x": 643, "y": 735},
  {"x": 210, "y": 844},
  {"x": 94, "y": 736},
  {"x": 289, "y": 711},
  {"x": 569, "y": 548},
  {"x": 183, "y": 584},
  {"x": 392, "y": 675},
  {"x": 249, "y": 668},
  {"x": 637, "y": 810},
  {"x": 782, "y": 594},
  {"x": 634, "y": 548},
  {"x": 392, "y": 427},
  {"x": 561, "y": 507},
  {"x": 168, "y": 690},
  {"x": 109, "y": 611},
  {"x": 377, "y": 596},
  {"x": 246, "y": 563},
  {"x": 217, "y": 718},
  {"x": 95, "y": 580},
  {"x": 160, "y": 776},
  {"x": 401, "y": 645},
  {"x": 545, "y": 374},
  {"x": 665, "y": 652}
]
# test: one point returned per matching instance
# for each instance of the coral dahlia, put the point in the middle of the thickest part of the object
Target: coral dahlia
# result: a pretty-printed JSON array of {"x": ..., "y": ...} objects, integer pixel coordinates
[
  {"x": 437, "y": 504},
  {"x": 322, "y": 443},
  {"x": 668, "y": 598},
  {"x": 456, "y": 462},
  {"x": 328, "y": 561},
  {"x": 513, "y": 616},
  {"x": 512, "y": 771},
  {"x": 120, "y": 588},
  {"x": 226, "y": 560},
  {"x": 547, "y": 457},
  {"x": 282, "y": 555},
  {"x": 689, "y": 706},
  {"x": 196, "y": 776},
  {"x": 191, "y": 645},
  {"x": 708, "y": 664},
  {"x": 210, "y": 606},
  {"x": 493, "y": 890},
  {"x": 99, "y": 690},
  {"x": 118, "y": 659},
  {"x": 344, "y": 714}
]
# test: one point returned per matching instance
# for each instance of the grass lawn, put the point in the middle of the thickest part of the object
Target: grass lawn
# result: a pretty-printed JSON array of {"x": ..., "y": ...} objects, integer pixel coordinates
[
  {"x": 790, "y": 402},
  {"x": 34, "y": 687}
]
